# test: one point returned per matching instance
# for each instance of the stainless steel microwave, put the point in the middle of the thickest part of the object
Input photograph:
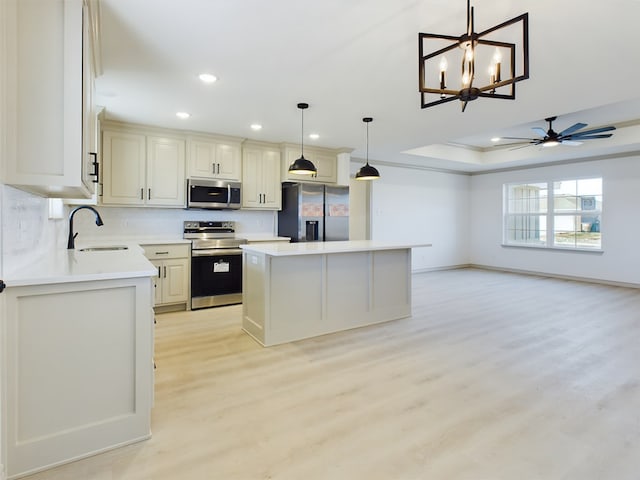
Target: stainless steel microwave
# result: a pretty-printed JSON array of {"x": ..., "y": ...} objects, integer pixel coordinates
[{"x": 213, "y": 194}]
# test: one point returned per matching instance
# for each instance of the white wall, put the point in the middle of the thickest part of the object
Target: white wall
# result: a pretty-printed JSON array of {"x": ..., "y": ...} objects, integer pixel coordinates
[
  {"x": 620, "y": 224},
  {"x": 424, "y": 206}
]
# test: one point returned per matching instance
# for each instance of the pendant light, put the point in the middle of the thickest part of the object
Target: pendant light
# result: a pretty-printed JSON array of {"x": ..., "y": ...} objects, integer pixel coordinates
[
  {"x": 302, "y": 166},
  {"x": 367, "y": 172}
]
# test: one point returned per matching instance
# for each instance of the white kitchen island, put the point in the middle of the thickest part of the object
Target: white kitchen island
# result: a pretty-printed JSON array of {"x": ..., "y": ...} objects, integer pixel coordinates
[{"x": 293, "y": 291}]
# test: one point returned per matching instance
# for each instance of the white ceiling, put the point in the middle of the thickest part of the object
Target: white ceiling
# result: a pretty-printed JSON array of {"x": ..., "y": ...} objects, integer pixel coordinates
[{"x": 354, "y": 58}]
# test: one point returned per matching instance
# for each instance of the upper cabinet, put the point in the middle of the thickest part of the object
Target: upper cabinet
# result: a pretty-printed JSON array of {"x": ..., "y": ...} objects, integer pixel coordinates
[
  {"x": 332, "y": 164},
  {"x": 214, "y": 157},
  {"x": 142, "y": 169},
  {"x": 261, "y": 188},
  {"x": 47, "y": 97}
]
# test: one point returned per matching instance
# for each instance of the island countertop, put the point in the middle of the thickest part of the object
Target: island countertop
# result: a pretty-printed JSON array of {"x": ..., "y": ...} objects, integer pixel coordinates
[{"x": 318, "y": 248}]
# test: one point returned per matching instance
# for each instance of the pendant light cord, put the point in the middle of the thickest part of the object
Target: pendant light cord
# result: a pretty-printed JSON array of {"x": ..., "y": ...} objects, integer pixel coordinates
[
  {"x": 302, "y": 133},
  {"x": 367, "y": 143}
]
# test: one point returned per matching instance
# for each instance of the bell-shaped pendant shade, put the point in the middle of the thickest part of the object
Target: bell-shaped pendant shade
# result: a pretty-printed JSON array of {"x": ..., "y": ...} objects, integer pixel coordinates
[
  {"x": 367, "y": 172},
  {"x": 302, "y": 166}
]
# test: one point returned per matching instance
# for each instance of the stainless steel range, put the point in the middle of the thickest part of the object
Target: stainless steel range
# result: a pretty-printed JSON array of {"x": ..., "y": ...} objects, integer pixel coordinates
[{"x": 216, "y": 263}]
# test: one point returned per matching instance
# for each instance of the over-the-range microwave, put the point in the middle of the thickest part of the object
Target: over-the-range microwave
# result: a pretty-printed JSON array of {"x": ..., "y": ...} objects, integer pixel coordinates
[{"x": 213, "y": 194}]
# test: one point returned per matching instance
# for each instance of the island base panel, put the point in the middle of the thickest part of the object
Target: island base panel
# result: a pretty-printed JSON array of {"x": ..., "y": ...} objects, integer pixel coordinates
[
  {"x": 81, "y": 372},
  {"x": 289, "y": 298}
]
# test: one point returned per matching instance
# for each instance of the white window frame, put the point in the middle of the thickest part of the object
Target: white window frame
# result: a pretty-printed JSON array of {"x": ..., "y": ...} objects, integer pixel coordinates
[{"x": 549, "y": 215}]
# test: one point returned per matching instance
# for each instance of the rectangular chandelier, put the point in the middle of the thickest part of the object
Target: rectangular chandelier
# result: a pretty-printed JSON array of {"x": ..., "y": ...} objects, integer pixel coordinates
[{"x": 494, "y": 50}]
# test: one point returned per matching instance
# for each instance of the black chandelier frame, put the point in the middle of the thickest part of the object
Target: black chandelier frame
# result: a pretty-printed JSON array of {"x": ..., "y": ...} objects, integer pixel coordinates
[{"x": 473, "y": 39}]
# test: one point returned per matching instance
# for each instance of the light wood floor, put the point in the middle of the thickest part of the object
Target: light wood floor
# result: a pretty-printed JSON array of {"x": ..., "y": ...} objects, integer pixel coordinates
[{"x": 496, "y": 376}]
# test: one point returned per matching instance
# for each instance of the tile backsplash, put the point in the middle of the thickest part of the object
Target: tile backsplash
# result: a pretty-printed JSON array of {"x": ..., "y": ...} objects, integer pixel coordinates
[
  {"x": 165, "y": 222},
  {"x": 27, "y": 231}
]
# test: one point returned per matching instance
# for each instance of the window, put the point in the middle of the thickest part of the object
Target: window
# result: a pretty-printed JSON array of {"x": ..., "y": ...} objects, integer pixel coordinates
[{"x": 564, "y": 214}]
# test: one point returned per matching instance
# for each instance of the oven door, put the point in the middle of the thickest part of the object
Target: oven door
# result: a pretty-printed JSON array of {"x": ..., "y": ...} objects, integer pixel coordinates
[{"x": 216, "y": 277}]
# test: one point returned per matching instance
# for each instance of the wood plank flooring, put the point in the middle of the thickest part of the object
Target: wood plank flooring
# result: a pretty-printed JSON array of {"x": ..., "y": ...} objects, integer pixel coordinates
[{"x": 496, "y": 376}]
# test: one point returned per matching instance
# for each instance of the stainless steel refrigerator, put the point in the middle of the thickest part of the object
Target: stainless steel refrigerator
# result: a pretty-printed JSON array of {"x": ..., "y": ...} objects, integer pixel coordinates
[{"x": 312, "y": 213}]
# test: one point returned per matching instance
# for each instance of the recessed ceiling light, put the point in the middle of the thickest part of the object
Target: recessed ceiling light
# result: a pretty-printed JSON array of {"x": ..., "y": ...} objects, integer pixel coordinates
[
  {"x": 314, "y": 136},
  {"x": 496, "y": 139},
  {"x": 256, "y": 126},
  {"x": 183, "y": 115},
  {"x": 207, "y": 77}
]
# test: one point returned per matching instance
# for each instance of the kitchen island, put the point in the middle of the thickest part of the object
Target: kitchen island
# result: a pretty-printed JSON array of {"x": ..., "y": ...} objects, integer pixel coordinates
[
  {"x": 78, "y": 345},
  {"x": 293, "y": 291}
]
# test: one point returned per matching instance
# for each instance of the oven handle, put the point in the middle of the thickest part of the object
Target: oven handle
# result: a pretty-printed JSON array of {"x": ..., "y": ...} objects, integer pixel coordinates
[{"x": 210, "y": 252}]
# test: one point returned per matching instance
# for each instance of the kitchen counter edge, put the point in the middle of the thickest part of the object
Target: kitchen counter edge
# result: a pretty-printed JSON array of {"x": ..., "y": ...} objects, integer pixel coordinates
[
  {"x": 319, "y": 248},
  {"x": 67, "y": 266}
]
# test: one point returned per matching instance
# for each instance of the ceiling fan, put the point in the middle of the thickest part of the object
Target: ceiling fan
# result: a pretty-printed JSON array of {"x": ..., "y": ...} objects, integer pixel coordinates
[{"x": 569, "y": 136}]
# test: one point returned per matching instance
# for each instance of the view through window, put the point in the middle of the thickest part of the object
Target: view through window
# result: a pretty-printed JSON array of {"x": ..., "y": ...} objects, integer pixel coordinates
[{"x": 565, "y": 213}]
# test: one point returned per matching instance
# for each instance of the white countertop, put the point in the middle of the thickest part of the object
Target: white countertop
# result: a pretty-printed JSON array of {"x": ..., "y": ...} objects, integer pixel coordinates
[
  {"x": 262, "y": 237},
  {"x": 64, "y": 266},
  {"x": 315, "y": 248}
]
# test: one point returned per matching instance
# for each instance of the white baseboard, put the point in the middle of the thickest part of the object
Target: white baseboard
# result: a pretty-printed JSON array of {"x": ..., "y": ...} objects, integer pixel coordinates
[
  {"x": 438, "y": 269},
  {"x": 559, "y": 276}
]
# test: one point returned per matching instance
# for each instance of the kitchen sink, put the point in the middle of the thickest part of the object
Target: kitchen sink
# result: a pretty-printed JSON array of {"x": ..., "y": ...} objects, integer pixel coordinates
[{"x": 104, "y": 249}]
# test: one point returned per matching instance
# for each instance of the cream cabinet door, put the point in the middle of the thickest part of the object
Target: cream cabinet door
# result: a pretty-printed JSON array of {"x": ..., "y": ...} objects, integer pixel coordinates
[
  {"x": 175, "y": 280},
  {"x": 211, "y": 159},
  {"x": 251, "y": 177},
  {"x": 325, "y": 163},
  {"x": 165, "y": 173},
  {"x": 172, "y": 283},
  {"x": 229, "y": 164},
  {"x": 271, "y": 186},
  {"x": 261, "y": 178},
  {"x": 124, "y": 168},
  {"x": 89, "y": 116},
  {"x": 43, "y": 79}
]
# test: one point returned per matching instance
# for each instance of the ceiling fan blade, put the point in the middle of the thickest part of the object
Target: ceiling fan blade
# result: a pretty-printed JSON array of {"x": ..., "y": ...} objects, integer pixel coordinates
[
  {"x": 588, "y": 137},
  {"x": 540, "y": 131},
  {"x": 594, "y": 130},
  {"x": 517, "y": 138},
  {"x": 571, "y": 143},
  {"x": 572, "y": 128}
]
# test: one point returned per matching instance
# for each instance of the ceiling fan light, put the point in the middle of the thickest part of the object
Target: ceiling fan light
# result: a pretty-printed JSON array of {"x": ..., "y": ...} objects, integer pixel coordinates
[{"x": 550, "y": 143}]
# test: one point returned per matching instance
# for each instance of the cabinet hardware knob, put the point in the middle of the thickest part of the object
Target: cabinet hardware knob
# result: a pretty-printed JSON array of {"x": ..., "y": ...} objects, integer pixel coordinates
[{"x": 142, "y": 194}]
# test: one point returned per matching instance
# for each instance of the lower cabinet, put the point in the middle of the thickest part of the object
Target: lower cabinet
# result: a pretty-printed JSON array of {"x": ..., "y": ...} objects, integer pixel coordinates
[
  {"x": 173, "y": 264},
  {"x": 78, "y": 376}
]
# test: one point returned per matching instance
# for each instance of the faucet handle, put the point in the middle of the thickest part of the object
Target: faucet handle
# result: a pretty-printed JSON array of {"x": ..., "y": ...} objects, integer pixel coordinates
[{"x": 76, "y": 234}]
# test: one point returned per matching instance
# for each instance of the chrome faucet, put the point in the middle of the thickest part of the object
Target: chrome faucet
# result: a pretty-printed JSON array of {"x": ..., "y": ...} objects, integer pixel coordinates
[{"x": 72, "y": 236}]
